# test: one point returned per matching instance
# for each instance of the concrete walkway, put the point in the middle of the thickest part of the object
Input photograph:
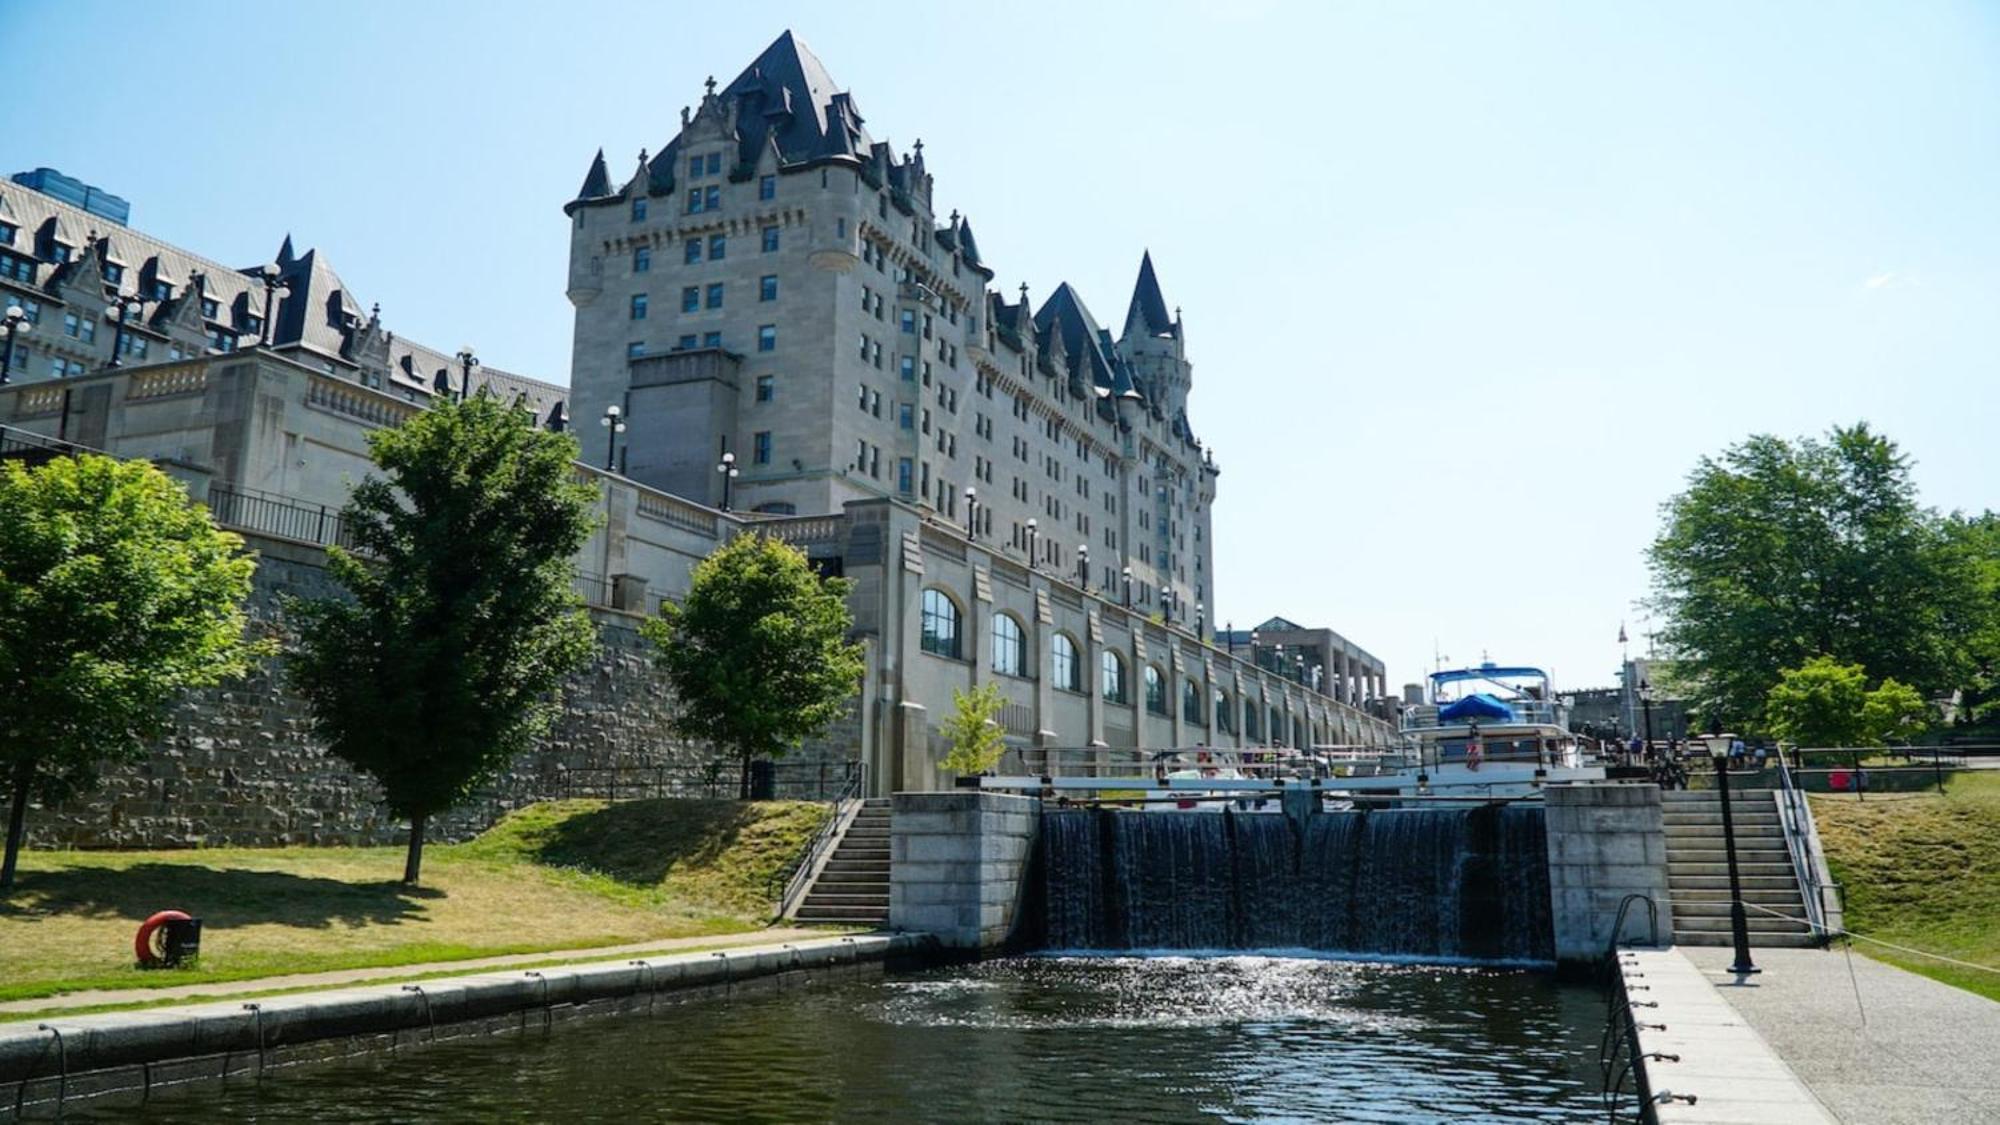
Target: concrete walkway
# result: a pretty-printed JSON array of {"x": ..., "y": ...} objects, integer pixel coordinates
[
  {"x": 1909, "y": 1049},
  {"x": 217, "y": 990}
]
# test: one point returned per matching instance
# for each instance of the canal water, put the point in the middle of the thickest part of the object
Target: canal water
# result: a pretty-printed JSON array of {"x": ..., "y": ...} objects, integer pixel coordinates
[{"x": 1043, "y": 1038}]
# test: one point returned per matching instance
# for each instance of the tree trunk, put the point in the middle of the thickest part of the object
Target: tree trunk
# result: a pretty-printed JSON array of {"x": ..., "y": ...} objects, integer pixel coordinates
[
  {"x": 17, "y": 822},
  {"x": 743, "y": 785},
  {"x": 413, "y": 862}
]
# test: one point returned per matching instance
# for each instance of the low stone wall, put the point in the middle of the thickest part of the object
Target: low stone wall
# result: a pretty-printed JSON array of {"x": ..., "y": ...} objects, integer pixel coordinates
[
  {"x": 957, "y": 863},
  {"x": 1606, "y": 840},
  {"x": 124, "y": 1054},
  {"x": 241, "y": 764}
]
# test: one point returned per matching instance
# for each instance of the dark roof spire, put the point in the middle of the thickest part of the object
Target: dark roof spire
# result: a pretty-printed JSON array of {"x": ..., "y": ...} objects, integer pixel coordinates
[
  {"x": 1149, "y": 308},
  {"x": 597, "y": 181}
]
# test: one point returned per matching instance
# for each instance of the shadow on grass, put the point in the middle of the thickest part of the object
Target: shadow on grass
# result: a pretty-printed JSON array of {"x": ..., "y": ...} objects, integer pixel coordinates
[
  {"x": 221, "y": 897},
  {"x": 639, "y": 842}
]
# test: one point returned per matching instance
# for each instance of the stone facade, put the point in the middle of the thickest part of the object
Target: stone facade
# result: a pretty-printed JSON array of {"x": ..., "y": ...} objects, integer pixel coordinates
[
  {"x": 1606, "y": 841},
  {"x": 775, "y": 285},
  {"x": 242, "y": 766},
  {"x": 957, "y": 865}
]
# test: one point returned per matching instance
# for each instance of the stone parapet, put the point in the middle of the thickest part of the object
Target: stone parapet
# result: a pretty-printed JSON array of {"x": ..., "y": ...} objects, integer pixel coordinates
[
  {"x": 957, "y": 864},
  {"x": 1607, "y": 840}
]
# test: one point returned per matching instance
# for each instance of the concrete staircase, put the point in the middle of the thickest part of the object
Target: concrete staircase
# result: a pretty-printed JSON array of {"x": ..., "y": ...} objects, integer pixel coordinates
[
  {"x": 1698, "y": 869},
  {"x": 853, "y": 888}
]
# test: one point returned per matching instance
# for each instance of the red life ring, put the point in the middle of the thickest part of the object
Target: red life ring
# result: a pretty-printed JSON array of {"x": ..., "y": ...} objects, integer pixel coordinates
[{"x": 142, "y": 942}]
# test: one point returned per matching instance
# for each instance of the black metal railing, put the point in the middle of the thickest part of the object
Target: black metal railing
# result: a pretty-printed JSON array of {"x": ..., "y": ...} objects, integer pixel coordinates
[
  {"x": 793, "y": 881},
  {"x": 33, "y": 449},
  {"x": 249, "y": 510}
]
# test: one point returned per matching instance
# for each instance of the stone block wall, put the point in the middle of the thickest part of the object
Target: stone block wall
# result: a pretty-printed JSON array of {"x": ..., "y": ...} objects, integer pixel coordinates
[
  {"x": 240, "y": 764},
  {"x": 1606, "y": 840},
  {"x": 957, "y": 862}
]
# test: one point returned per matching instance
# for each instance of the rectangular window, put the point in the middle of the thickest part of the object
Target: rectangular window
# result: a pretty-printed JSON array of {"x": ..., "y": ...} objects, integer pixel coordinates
[
  {"x": 864, "y": 347},
  {"x": 906, "y": 366},
  {"x": 694, "y": 201},
  {"x": 691, "y": 251},
  {"x": 767, "y": 287},
  {"x": 767, "y": 187},
  {"x": 685, "y": 342},
  {"x": 861, "y": 456},
  {"x": 907, "y": 319},
  {"x": 903, "y": 468},
  {"x": 694, "y": 167},
  {"x": 691, "y": 298},
  {"x": 760, "y": 447},
  {"x": 7, "y": 233},
  {"x": 638, "y": 306},
  {"x": 711, "y": 198},
  {"x": 639, "y": 210},
  {"x": 767, "y": 337},
  {"x": 767, "y": 388},
  {"x": 717, "y": 245},
  {"x": 13, "y": 267},
  {"x": 711, "y": 339},
  {"x": 715, "y": 295},
  {"x": 160, "y": 291},
  {"x": 113, "y": 272},
  {"x": 635, "y": 349},
  {"x": 770, "y": 239},
  {"x": 715, "y": 164},
  {"x": 642, "y": 259},
  {"x": 905, "y": 415}
]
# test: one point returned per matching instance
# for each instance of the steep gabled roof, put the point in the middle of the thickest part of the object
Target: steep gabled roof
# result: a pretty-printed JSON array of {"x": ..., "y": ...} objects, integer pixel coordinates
[
  {"x": 1148, "y": 311},
  {"x": 787, "y": 94},
  {"x": 1088, "y": 347},
  {"x": 597, "y": 181}
]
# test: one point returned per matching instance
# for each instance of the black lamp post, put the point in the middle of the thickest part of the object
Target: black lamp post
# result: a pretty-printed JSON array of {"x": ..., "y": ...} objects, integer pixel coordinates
[
  {"x": 1127, "y": 574},
  {"x": 727, "y": 467},
  {"x": 1646, "y": 702},
  {"x": 15, "y": 321},
  {"x": 466, "y": 362},
  {"x": 1253, "y": 650},
  {"x": 1083, "y": 566},
  {"x": 270, "y": 276},
  {"x": 1229, "y": 636},
  {"x": 971, "y": 513},
  {"x": 1034, "y": 534},
  {"x": 1200, "y": 624},
  {"x": 124, "y": 308},
  {"x": 1739, "y": 923},
  {"x": 614, "y": 424}
]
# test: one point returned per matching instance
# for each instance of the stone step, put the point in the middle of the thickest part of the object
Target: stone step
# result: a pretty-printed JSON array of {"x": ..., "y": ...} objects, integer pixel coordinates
[
  {"x": 873, "y": 818},
  {"x": 1742, "y": 819},
  {"x": 1757, "y": 940},
  {"x": 853, "y": 862},
  {"x": 1719, "y": 923},
  {"x": 879, "y": 900},
  {"x": 867, "y": 880},
  {"x": 867, "y": 832},
  {"x": 1785, "y": 882},
  {"x": 1718, "y": 866},
  {"x": 1712, "y": 797},
  {"x": 841, "y": 917},
  {"x": 1704, "y": 904},
  {"x": 1713, "y": 839},
  {"x": 878, "y": 803},
  {"x": 878, "y": 852}
]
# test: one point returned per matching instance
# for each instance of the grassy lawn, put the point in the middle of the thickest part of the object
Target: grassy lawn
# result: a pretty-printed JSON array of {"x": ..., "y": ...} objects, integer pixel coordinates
[
  {"x": 563, "y": 875},
  {"x": 1923, "y": 870}
]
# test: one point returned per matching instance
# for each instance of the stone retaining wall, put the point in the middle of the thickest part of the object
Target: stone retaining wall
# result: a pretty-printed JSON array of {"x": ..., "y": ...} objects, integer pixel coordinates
[
  {"x": 957, "y": 861},
  {"x": 1607, "y": 840},
  {"x": 241, "y": 765}
]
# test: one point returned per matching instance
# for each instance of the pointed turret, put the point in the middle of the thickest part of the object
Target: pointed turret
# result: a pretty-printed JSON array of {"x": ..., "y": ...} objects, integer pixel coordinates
[
  {"x": 597, "y": 181},
  {"x": 1148, "y": 312},
  {"x": 286, "y": 255}
]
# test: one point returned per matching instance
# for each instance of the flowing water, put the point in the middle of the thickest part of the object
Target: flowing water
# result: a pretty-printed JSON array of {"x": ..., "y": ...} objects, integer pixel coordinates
[
  {"x": 1439, "y": 884},
  {"x": 1043, "y": 1038}
]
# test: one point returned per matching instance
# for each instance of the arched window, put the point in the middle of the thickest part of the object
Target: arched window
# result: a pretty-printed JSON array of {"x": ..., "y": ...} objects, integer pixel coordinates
[
  {"x": 1156, "y": 691},
  {"x": 1223, "y": 712},
  {"x": 1064, "y": 668},
  {"x": 940, "y": 625},
  {"x": 1298, "y": 734},
  {"x": 1277, "y": 727},
  {"x": 1250, "y": 724},
  {"x": 1190, "y": 701},
  {"x": 1113, "y": 668},
  {"x": 1010, "y": 648}
]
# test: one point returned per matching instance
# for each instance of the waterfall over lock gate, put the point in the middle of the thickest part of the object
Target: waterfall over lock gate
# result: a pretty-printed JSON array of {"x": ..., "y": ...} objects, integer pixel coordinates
[{"x": 1449, "y": 884}]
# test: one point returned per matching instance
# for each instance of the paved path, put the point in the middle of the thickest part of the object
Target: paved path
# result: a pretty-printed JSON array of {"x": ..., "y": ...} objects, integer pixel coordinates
[
  {"x": 15, "y": 1009},
  {"x": 1909, "y": 1050}
]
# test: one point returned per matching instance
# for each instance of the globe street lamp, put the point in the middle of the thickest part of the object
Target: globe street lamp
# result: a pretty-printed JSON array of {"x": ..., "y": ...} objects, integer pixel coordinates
[
  {"x": 123, "y": 308},
  {"x": 466, "y": 362},
  {"x": 1083, "y": 566},
  {"x": 269, "y": 276},
  {"x": 1739, "y": 924},
  {"x": 614, "y": 424},
  {"x": 1033, "y": 535},
  {"x": 1646, "y": 701},
  {"x": 971, "y": 513},
  {"x": 16, "y": 321},
  {"x": 1127, "y": 574},
  {"x": 1200, "y": 624},
  {"x": 1229, "y": 637},
  {"x": 726, "y": 467}
]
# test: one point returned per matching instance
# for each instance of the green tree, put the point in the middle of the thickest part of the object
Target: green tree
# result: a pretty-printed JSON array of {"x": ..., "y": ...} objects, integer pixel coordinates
[
  {"x": 758, "y": 652},
  {"x": 1780, "y": 551},
  {"x": 1893, "y": 713},
  {"x": 445, "y": 663},
  {"x": 974, "y": 735},
  {"x": 1974, "y": 551},
  {"x": 116, "y": 595},
  {"x": 1818, "y": 703}
]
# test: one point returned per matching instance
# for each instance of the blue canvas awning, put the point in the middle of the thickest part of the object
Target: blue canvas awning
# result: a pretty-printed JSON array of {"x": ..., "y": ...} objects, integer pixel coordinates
[{"x": 1475, "y": 707}]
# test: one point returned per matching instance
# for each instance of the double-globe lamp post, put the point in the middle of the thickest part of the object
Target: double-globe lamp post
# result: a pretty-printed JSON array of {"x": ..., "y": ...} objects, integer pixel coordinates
[
  {"x": 971, "y": 513},
  {"x": 614, "y": 424},
  {"x": 15, "y": 321},
  {"x": 1083, "y": 566},
  {"x": 726, "y": 467},
  {"x": 1034, "y": 535},
  {"x": 126, "y": 308},
  {"x": 1739, "y": 922}
]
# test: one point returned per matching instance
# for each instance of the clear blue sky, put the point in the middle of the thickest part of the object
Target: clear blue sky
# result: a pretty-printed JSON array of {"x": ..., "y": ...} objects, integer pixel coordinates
[{"x": 1469, "y": 287}]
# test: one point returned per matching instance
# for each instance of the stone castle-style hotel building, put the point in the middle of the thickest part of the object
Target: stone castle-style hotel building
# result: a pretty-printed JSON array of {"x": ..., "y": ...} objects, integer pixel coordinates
[{"x": 792, "y": 340}]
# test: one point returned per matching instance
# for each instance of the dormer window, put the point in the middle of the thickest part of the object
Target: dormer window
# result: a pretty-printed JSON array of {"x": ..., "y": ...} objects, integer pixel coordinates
[
  {"x": 7, "y": 233},
  {"x": 209, "y": 308},
  {"x": 160, "y": 291},
  {"x": 59, "y": 254},
  {"x": 113, "y": 273},
  {"x": 253, "y": 324}
]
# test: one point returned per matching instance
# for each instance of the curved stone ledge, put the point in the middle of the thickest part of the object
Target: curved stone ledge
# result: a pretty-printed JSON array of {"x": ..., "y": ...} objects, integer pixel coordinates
[{"x": 68, "y": 1057}]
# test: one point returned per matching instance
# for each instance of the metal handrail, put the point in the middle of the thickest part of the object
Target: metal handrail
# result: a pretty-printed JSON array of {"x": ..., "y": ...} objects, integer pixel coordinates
[
  {"x": 801, "y": 877},
  {"x": 1795, "y": 814}
]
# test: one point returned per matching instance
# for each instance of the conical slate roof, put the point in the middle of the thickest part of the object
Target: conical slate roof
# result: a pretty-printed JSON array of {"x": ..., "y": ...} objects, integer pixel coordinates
[{"x": 1149, "y": 309}]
